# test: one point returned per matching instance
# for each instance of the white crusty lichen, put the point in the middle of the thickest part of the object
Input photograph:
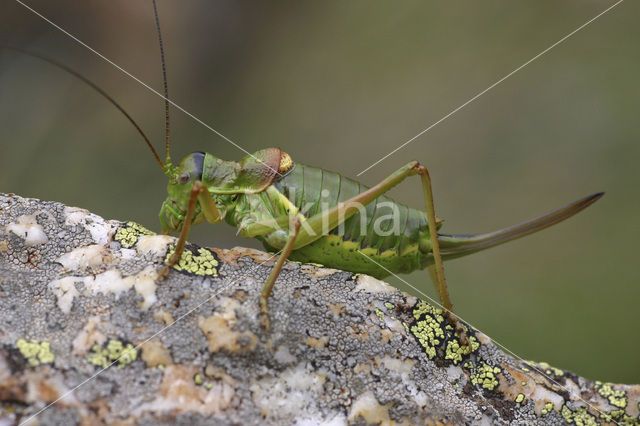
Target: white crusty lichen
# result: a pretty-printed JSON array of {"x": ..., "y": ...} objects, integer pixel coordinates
[
  {"x": 85, "y": 258},
  {"x": 65, "y": 291},
  {"x": 372, "y": 285},
  {"x": 109, "y": 282},
  {"x": 27, "y": 228},
  {"x": 100, "y": 229}
]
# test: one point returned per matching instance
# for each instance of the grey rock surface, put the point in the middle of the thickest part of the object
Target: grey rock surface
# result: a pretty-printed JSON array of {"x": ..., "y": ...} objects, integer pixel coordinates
[{"x": 89, "y": 336}]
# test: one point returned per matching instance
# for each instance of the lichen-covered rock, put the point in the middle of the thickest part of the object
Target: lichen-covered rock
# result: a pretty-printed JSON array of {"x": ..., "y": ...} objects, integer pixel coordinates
[{"x": 88, "y": 335}]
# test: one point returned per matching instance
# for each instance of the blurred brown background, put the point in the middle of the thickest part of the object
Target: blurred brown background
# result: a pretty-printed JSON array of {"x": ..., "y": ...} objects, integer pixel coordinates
[{"x": 340, "y": 84}]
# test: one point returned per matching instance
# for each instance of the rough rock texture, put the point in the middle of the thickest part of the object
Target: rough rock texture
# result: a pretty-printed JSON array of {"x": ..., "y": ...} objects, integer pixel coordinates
[{"x": 88, "y": 336}]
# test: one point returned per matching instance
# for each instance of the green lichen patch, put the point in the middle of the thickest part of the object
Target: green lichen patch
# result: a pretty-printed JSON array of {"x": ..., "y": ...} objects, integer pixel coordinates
[
  {"x": 129, "y": 233},
  {"x": 197, "y": 379},
  {"x": 113, "y": 351},
  {"x": 580, "y": 416},
  {"x": 35, "y": 352},
  {"x": 437, "y": 337},
  {"x": 615, "y": 415},
  {"x": 483, "y": 375},
  {"x": 616, "y": 397},
  {"x": 195, "y": 261},
  {"x": 455, "y": 351},
  {"x": 548, "y": 407},
  {"x": 428, "y": 327}
]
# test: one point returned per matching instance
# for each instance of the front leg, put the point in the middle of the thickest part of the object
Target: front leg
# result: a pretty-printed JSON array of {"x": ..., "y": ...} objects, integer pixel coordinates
[{"x": 199, "y": 194}]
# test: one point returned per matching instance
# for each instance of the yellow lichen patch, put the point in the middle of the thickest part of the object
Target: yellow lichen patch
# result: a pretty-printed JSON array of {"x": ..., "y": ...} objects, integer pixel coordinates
[
  {"x": 35, "y": 352},
  {"x": 484, "y": 375},
  {"x": 579, "y": 417},
  {"x": 428, "y": 327},
  {"x": 455, "y": 351},
  {"x": 619, "y": 417},
  {"x": 520, "y": 398},
  {"x": 218, "y": 329},
  {"x": 616, "y": 397},
  {"x": 154, "y": 354},
  {"x": 115, "y": 351},
  {"x": 548, "y": 407},
  {"x": 197, "y": 379},
  {"x": 424, "y": 308},
  {"x": 127, "y": 235},
  {"x": 203, "y": 263}
]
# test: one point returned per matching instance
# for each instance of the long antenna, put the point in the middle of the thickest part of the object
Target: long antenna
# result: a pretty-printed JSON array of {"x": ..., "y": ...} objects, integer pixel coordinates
[
  {"x": 94, "y": 87},
  {"x": 167, "y": 128}
]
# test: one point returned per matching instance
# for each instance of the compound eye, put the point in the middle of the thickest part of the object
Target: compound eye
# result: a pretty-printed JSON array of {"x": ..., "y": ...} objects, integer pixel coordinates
[{"x": 183, "y": 178}]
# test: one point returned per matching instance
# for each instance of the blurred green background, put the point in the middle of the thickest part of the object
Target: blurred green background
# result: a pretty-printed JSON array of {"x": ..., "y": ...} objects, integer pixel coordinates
[{"x": 340, "y": 84}]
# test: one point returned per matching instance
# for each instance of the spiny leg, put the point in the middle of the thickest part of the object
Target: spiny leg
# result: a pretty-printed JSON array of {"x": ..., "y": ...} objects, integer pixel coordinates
[
  {"x": 345, "y": 209},
  {"x": 332, "y": 217},
  {"x": 265, "y": 322},
  {"x": 440, "y": 280}
]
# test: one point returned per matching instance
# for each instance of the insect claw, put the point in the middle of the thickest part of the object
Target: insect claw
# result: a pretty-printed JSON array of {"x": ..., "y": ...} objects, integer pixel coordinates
[{"x": 163, "y": 273}]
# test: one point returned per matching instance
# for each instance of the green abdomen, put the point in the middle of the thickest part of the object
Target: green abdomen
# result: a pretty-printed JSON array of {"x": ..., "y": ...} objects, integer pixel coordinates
[{"x": 387, "y": 232}]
